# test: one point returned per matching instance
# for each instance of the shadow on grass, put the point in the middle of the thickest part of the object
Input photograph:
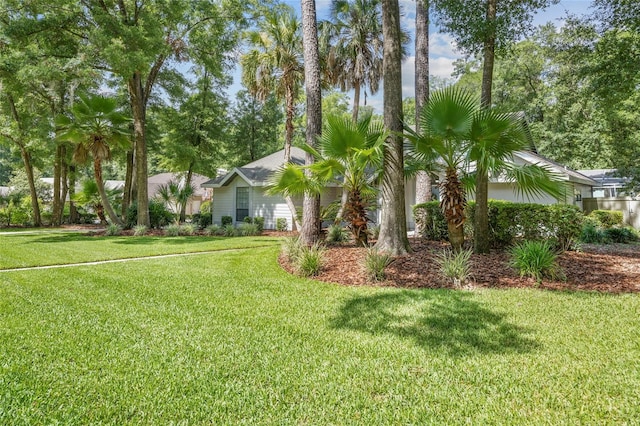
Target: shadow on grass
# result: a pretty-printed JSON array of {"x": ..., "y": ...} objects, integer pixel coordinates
[{"x": 440, "y": 320}]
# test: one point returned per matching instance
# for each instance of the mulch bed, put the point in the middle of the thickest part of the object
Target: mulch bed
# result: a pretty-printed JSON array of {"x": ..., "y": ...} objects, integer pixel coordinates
[{"x": 613, "y": 268}]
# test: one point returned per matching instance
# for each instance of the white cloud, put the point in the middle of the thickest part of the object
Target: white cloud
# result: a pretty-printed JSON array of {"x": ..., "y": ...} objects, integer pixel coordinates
[{"x": 442, "y": 45}]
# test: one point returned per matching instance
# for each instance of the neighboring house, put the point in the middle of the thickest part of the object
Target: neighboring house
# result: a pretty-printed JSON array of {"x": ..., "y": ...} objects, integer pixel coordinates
[
  {"x": 607, "y": 184},
  {"x": 200, "y": 193},
  {"x": 241, "y": 192}
]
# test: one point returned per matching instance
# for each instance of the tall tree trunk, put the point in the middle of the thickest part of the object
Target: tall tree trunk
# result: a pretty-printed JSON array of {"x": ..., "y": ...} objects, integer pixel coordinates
[
  {"x": 481, "y": 225},
  {"x": 74, "y": 216},
  {"x": 288, "y": 139},
  {"x": 356, "y": 101},
  {"x": 127, "y": 192},
  {"x": 393, "y": 226},
  {"x": 97, "y": 171},
  {"x": 423, "y": 179},
  {"x": 57, "y": 173},
  {"x": 28, "y": 166},
  {"x": 136, "y": 93},
  {"x": 187, "y": 183},
  {"x": 64, "y": 179},
  {"x": 310, "y": 231}
]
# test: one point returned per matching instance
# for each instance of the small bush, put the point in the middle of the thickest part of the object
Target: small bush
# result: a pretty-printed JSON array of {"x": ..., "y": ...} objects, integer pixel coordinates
[
  {"x": 535, "y": 259},
  {"x": 188, "y": 229},
  {"x": 159, "y": 215},
  {"x": 621, "y": 235},
  {"x": 430, "y": 220},
  {"x": 172, "y": 230},
  {"x": 291, "y": 248},
  {"x": 230, "y": 231},
  {"x": 259, "y": 222},
  {"x": 226, "y": 220},
  {"x": 310, "y": 260},
  {"x": 113, "y": 230},
  {"x": 212, "y": 230},
  {"x": 247, "y": 219},
  {"x": 205, "y": 208},
  {"x": 375, "y": 264},
  {"x": 455, "y": 266},
  {"x": 336, "y": 234},
  {"x": 281, "y": 224},
  {"x": 139, "y": 230},
  {"x": 607, "y": 218},
  {"x": 202, "y": 220},
  {"x": 248, "y": 229},
  {"x": 591, "y": 234}
]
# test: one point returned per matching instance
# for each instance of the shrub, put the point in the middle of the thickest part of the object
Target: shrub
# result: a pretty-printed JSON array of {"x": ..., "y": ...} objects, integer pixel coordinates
[
  {"x": 375, "y": 264},
  {"x": 565, "y": 225},
  {"x": 247, "y": 219},
  {"x": 205, "y": 208},
  {"x": 229, "y": 231},
  {"x": 202, "y": 220},
  {"x": 591, "y": 234},
  {"x": 336, "y": 234},
  {"x": 607, "y": 218},
  {"x": 113, "y": 230},
  {"x": 188, "y": 229},
  {"x": 291, "y": 248},
  {"x": 259, "y": 222},
  {"x": 172, "y": 230},
  {"x": 159, "y": 215},
  {"x": 621, "y": 235},
  {"x": 248, "y": 229},
  {"x": 139, "y": 230},
  {"x": 281, "y": 224},
  {"x": 431, "y": 221},
  {"x": 212, "y": 230},
  {"x": 310, "y": 260},
  {"x": 226, "y": 220},
  {"x": 535, "y": 259},
  {"x": 455, "y": 266}
]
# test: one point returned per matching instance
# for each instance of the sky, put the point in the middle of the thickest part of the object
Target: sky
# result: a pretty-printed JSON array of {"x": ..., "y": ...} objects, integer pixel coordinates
[{"x": 442, "y": 48}]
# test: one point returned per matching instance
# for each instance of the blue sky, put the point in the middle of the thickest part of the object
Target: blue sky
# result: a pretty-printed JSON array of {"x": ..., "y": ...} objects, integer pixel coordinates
[{"x": 442, "y": 48}]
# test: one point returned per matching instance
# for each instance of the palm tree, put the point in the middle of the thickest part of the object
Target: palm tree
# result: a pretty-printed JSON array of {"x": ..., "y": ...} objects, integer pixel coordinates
[
  {"x": 354, "y": 60},
  {"x": 176, "y": 196},
  {"x": 463, "y": 136},
  {"x": 275, "y": 64},
  {"x": 89, "y": 197},
  {"x": 96, "y": 126},
  {"x": 348, "y": 153}
]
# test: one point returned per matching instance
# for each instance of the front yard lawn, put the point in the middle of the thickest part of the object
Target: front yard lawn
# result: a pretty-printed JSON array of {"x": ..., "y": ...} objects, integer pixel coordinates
[{"x": 230, "y": 338}]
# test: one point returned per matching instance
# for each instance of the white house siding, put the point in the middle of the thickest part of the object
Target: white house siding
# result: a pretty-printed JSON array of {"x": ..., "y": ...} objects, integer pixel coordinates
[{"x": 224, "y": 200}]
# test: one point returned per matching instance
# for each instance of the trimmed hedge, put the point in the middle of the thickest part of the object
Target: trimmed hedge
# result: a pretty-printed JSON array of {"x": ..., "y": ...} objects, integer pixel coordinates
[
  {"x": 509, "y": 222},
  {"x": 607, "y": 218}
]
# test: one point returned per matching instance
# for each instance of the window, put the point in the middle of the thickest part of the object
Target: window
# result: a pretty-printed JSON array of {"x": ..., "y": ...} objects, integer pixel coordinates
[{"x": 242, "y": 203}]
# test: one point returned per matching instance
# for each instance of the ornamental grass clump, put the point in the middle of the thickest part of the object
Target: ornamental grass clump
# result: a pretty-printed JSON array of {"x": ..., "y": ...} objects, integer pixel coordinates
[
  {"x": 535, "y": 259},
  {"x": 310, "y": 260},
  {"x": 139, "y": 230},
  {"x": 212, "y": 230},
  {"x": 455, "y": 266},
  {"x": 291, "y": 248},
  {"x": 248, "y": 229},
  {"x": 113, "y": 230},
  {"x": 230, "y": 231},
  {"x": 188, "y": 229},
  {"x": 337, "y": 234},
  {"x": 375, "y": 264},
  {"x": 172, "y": 230}
]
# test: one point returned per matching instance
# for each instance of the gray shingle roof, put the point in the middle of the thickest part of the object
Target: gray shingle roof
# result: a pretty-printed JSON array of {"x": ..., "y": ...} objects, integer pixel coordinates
[{"x": 257, "y": 172}]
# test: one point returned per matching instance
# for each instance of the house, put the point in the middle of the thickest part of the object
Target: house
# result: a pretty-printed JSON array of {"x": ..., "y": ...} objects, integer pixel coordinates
[
  {"x": 241, "y": 192},
  {"x": 199, "y": 196},
  {"x": 578, "y": 186},
  {"x": 608, "y": 183}
]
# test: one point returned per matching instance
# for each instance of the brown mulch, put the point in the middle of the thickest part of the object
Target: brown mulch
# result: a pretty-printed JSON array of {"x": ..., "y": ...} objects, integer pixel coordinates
[{"x": 613, "y": 268}]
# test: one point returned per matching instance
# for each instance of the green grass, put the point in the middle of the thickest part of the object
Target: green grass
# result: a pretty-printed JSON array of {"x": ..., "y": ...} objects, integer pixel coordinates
[
  {"x": 24, "y": 250},
  {"x": 229, "y": 338}
]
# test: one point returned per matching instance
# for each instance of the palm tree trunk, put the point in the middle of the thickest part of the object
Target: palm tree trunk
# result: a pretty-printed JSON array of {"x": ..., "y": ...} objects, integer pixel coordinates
[
  {"x": 97, "y": 170},
  {"x": 481, "y": 225},
  {"x": 57, "y": 172},
  {"x": 310, "y": 231},
  {"x": 74, "y": 217},
  {"x": 356, "y": 101},
  {"x": 452, "y": 204},
  {"x": 423, "y": 179},
  {"x": 393, "y": 225}
]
